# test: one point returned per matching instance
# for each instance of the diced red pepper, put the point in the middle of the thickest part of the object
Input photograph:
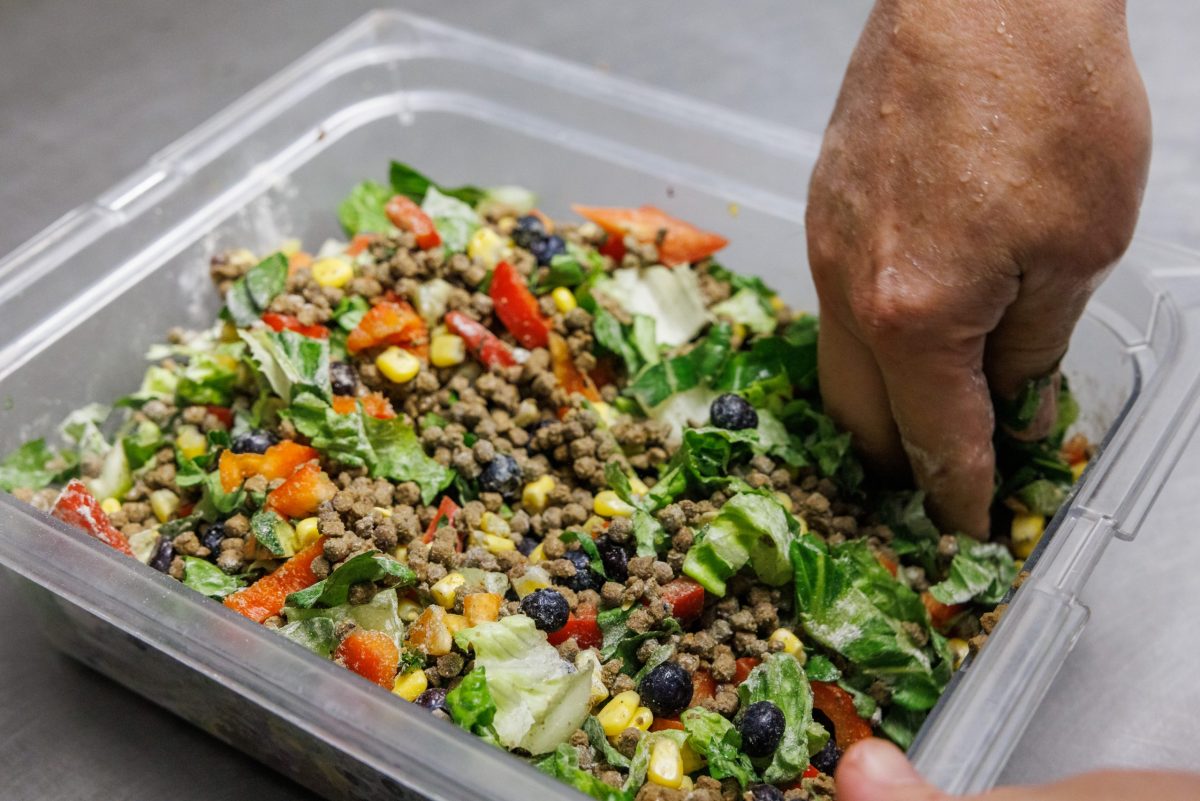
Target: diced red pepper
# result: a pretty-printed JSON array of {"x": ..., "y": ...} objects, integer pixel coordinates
[
  {"x": 569, "y": 376},
  {"x": 743, "y": 666},
  {"x": 371, "y": 654},
  {"x": 359, "y": 243},
  {"x": 222, "y": 413},
  {"x": 662, "y": 724},
  {"x": 303, "y": 491},
  {"x": 810, "y": 773},
  {"x": 704, "y": 687},
  {"x": 278, "y": 462},
  {"x": 678, "y": 242},
  {"x": 582, "y": 626},
  {"x": 486, "y": 346},
  {"x": 1075, "y": 449},
  {"x": 517, "y": 308},
  {"x": 685, "y": 597},
  {"x": 838, "y": 705},
  {"x": 298, "y": 261},
  {"x": 389, "y": 322},
  {"x": 265, "y": 597},
  {"x": 941, "y": 615},
  {"x": 408, "y": 216},
  {"x": 888, "y": 564},
  {"x": 373, "y": 404},
  {"x": 613, "y": 247},
  {"x": 446, "y": 510},
  {"x": 77, "y": 507},
  {"x": 286, "y": 322}
]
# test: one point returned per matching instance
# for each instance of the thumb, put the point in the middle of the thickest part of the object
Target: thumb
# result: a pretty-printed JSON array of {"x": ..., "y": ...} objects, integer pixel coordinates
[{"x": 876, "y": 770}]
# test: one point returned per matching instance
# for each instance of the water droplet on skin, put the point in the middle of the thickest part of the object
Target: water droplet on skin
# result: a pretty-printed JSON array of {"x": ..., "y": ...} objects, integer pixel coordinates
[
  {"x": 1090, "y": 66},
  {"x": 887, "y": 107},
  {"x": 964, "y": 176},
  {"x": 1002, "y": 28}
]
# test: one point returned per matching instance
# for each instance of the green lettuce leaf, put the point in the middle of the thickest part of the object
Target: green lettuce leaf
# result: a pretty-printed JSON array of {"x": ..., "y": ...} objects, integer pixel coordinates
[
  {"x": 714, "y": 738},
  {"x": 792, "y": 354},
  {"x": 540, "y": 699},
  {"x": 317, "y": 634},
  {"x": 657, "y": 382},
  {"x": 599, "y": 741},
  {"x": 400, "y": 457},
  {"x": 641, "y": 756},
  {"x": 413, "y": 185},
  {"x": 618, "y": 641},
  {"x": 362, "y": 210},
  {"x": 563, "y": 765},
  {"x": 454, "y": 220},
  {"x": 471, "y": 705},
  {"x": 290, "y": 363},
  {"x": 209, "y": 378},
  {"x": 780, "y": 680},
  {"x": 30, "y": 466},
  {"x": 205, "y": 577},
  {"x": 749, "y": 529},
  {"x": 981, "y": 572},
  {"x": 250, "y": 295},
  {"x": 747, "y": 307},
  {"x": 335, "y": 590},
  {"x": 671, "y": 296},
  {"x": 381, "y": 613}
]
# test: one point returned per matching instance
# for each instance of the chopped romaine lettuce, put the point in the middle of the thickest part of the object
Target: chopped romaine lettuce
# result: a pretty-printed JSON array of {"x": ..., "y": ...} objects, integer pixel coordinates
[
  {"x": 748, "y": 308},
  {"x": 563, "y": 765},
  {"x": 671, "y": 296},
  {"x": 540, "y": 699},
  {"x": 205, "y": 577},
  {"x": 362, "y": 210},
  {"x": 982, "y": 572},
  {"x": 250, "y": 295},
  {"x": 657, "y": 382},
  {"x": 381, "y": 613},
  {"x": 289, "y": 362},
  {"x": 454, "y": 220},
  {"x": 335, "y": 590},
  {"x": 780, "y": 680},
  {"x": 641, "y": 755},
  {"x": 33, "y": 466},
  {"x": 413, "y": 185},
  {"x": 714, "y": 738},
  {"x": 142, "y": 443},
  {"x": 749, "y": 529},
  {"x": 209, "y": 378},
  {"x": 316, "y": 634},
  {"x": 599, "y": 741}
]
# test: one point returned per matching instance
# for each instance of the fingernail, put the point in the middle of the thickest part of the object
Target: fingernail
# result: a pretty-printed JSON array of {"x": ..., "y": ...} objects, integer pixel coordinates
[{"x": 884, "y": 764}]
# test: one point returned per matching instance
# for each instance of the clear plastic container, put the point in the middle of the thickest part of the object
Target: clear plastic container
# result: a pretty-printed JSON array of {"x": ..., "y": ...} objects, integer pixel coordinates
[{"x": 80, "y": 303}]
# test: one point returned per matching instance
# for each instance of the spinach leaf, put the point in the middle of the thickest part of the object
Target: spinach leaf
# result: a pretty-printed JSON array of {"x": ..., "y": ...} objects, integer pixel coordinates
[
  {"x": 349, "y": 312},
  {"x": 400, "y": 457},
  {"x": 622, "y": 643},
  {"x": 265, "y": 526},
  {"x": 362, "y": 210},
  {"x": 901, "y": 725},
  {"x": 250, "y": 295},
  {"x": 205, "y": 577},
  {"x": 657, "y": 382},
  {"x": 981, "y": 572},
  {"x": 781, "y": 680},
  {"x": 715, "y": 739},
  {"x": 563, "y": 764},
  {"x": 916, "y": 537},
  {"x": 413, "y": 185},
  {"x": 335, "y": 590}
]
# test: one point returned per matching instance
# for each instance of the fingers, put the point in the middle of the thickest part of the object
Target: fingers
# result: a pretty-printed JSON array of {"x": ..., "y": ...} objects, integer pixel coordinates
[
  {"x": 876, "y": 770},
  {"x": 854, "y": 395}
]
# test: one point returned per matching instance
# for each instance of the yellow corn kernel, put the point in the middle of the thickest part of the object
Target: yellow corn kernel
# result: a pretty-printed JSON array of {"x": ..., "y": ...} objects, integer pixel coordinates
[
  {"x": 958, "y": 649},
  {"x": 1078, "y": 468},
  {"x": 535, "y": 578},
  {"x": 163, "y": 503},
  {"x": 605, "y": 412},
  {"x": 692, "y": 761},
  {"x": 666, "y": 764},
  {"x": 564, "y": 299},
  {"x": 456, "y": 623},
  {"x": 1019, "y": 564},
  {"x": 398, "y": 365},
  {"x": 492, "y": 523},
  {"x": 495, "y": 544},
  {"x": 444, "y": 590},
  {"x": 687, "y": 785},
  {"x": 332, "y": 272},
  {"x": 536, "y": 494},
  {"x": 642, "y": 718},
  {"x": 615, "y": 716},
  {"x": 400, "y": 552},
  {"x": 447, "y": 350},
  {"x": 788, "y": 640},
  {"x": 538, "y": 554},
  {"x": 785, "y": 501},
  {"x": 486, "y": 246},
  {"x": 609, "y": 504},
  {"x": 1026, "y": 532},
  {"x": 190, "y": 442},
  {"x": 411, "y": 684},
  {"x": 110, "y": 506},
  {"x": 408, "y": 610},
  {"x": 636, "y": 485},
  {"x": 737, "y": 335},
  {"x": 382, "y": 511},
  {"x": 594, "y": 525},
  {"x": 306, "y": 532}
]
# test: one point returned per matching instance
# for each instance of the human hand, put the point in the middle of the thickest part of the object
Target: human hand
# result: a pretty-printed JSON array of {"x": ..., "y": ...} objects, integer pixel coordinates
[
  {"x": 982, "y": 171},
  {"x": 875, "y": 770}
]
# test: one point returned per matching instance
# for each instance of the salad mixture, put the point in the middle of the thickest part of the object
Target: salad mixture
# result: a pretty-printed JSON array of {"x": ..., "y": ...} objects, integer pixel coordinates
[{"x": 568, "y": 485}]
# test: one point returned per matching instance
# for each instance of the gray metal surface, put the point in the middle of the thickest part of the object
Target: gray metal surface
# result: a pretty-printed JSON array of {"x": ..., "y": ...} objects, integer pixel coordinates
[{"x": 89, "y": 90}]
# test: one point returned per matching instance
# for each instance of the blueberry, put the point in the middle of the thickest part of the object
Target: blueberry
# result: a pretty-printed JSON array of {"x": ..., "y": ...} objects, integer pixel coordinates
[
  {"x": 761, "y": 728},
  {"x": 343, "y": 378},
  {"x": 253, "y": 442},
  {"x": 529, "y": 229},
  {"x": 732, "y": 413},
  {"x": 502, "y": 475},
  {"x": 615, "y": 558},
  {"x": 585, "y": 578},
  {"x": 667, "y": 689},
  {"x": 433, "y": 699},
  {"x": 213, "y": 536},
  {"x": 161, "y": 561},
  {"x": 546, "y": 249},
  {"x": 548, "y": 609},
  {"x": 766, "y": 792},
  {"x": 826, "y": 760}
]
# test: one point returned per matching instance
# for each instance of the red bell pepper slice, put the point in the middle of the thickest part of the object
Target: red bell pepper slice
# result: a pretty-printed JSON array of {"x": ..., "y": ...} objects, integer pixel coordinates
[
  {"x": 222, "y": 413},
  {"x": 371, "y": 654},
  {"x": 678, "y": 242},
  {"x": 704, "y": 686},
  {"x": 837, "y": 705},
  {"x": 286, "y": 322},
  {"x": 613, "y": 247},
  {"x": 407, "y": 216},
  {"x": 266, "y": 597},
  {"x": 685, "y": 597},
  {"x": 888, "y": 564},
  {"x": 742, "y": 667},
  {"x": 390, "y": 322},
  {"x": 373, "y": 404},
  {"x": 582, "y": 626},
  {"x": 662, "y": 724},
  {"x": 941, "y": 615},
  {"x": 486, "y": 346},
  {"x": 517, "y": 308},
  {"x": 447, "y": 509},
  {"x": 569, "y": 376},
  {"x": 76, "y": 506},
  {"x": 303, "y": 491}
]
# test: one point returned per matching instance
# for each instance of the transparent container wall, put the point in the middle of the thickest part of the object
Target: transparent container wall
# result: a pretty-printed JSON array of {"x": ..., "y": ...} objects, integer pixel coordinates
[{"x": 83, "y": 301}]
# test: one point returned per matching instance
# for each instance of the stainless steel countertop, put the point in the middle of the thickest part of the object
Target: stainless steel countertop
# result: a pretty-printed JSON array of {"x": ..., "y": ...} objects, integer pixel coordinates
[{"x": 89, "y": 90}]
